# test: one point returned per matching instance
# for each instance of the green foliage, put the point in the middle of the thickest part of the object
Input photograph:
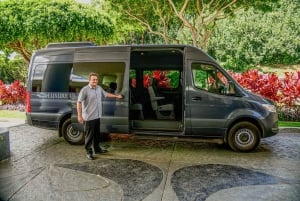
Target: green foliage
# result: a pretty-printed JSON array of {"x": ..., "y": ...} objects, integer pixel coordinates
[
  {"x": 12, "y": 69},
  {"x": 31, "y": 24},
  {"x": 289, "y": 113},
  {"x": 254, "y": 37},
  {"x": 181, "y": 21}
]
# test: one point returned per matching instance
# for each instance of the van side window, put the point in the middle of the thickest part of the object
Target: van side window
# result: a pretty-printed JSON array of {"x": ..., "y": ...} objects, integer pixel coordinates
[
  {"x": 209, "y": 78},
  {"x": 37, "y": 78},
  {"x": 51, "y": 78},
  {"x": 166, "y": 79},
  {"x": 109, "y": 72}
]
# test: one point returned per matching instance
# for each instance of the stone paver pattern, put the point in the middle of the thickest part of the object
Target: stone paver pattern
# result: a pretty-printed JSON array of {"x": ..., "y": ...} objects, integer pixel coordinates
[{"x": 44, "y": 167}]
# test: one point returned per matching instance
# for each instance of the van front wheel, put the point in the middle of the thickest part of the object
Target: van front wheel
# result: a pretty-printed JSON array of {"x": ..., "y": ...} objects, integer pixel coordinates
[
  {"x": 243, "y": 137},
  {"x": 72, "y": 136}
]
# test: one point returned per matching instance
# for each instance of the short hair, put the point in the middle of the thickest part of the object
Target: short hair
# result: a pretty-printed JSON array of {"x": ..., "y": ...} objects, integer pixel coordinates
[
  {"x": 93, "y": 74},
  {"x": 113, "y": 85}
]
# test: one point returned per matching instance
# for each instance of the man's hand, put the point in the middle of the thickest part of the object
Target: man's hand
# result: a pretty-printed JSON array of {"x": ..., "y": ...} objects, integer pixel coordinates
[
  {"x": 79, "y": 113},
  {"x": 119, "y": 96},
  {"x": 80, "y": 119}
]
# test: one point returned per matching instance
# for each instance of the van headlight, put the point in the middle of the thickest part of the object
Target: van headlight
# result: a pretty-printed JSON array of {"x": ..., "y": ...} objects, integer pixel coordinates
[{"x": 270, "y": 108}]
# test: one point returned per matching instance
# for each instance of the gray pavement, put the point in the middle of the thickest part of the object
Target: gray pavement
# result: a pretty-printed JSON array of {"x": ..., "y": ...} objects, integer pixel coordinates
[{"x": 44, "y": 167}]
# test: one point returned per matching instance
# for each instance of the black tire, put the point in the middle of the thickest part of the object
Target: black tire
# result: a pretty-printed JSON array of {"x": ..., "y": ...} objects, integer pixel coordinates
[
  {"x": 243, "y": 137},
  {"x": 72, "y": 136}
]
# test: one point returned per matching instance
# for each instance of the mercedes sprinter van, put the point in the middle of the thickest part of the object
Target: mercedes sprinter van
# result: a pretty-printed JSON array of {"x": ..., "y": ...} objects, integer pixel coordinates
[{"x": 168, "y": 90}]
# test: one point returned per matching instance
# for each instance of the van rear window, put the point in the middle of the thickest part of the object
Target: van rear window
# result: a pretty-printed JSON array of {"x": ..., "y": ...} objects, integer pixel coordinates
[
  {"x": 51, "y": 78},
  {"x": 71, "y": 77}
]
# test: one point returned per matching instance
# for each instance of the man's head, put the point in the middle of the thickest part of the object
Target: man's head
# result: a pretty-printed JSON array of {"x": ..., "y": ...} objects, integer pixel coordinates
[{"x": 93, "y": 79}]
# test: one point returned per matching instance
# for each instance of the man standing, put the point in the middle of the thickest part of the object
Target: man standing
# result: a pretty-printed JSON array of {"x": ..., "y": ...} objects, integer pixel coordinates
[{"x": 89, "y": 109}]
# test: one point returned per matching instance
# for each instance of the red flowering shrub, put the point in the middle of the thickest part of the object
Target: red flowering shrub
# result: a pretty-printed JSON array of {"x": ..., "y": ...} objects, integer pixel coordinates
[
  {"x": 13, "y": 93},
  {"x": 284, "y": 91},
  {"x": 162, "y": 80}
]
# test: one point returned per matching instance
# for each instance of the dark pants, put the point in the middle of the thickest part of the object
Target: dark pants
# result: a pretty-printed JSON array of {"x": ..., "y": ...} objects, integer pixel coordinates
[{"x": 92, "y": 135}]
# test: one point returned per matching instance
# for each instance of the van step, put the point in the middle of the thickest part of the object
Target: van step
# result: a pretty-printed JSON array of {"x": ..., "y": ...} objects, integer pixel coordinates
[
  {"x": 157, "y": 133},
  {"x": 157, "y": 125},
  {"x": 177, "y": 138}
]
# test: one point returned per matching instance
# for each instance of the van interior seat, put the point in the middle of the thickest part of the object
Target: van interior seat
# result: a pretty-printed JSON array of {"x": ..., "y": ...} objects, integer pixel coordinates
[
  {"x": 164, "y": 111},
  {"x": 136, "y": 109}
]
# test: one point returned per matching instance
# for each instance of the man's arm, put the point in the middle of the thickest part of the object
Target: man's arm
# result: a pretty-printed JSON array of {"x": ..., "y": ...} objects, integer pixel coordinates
[
  {"x": 79, "y": 112},
  {"x": 110, "y": 95}
]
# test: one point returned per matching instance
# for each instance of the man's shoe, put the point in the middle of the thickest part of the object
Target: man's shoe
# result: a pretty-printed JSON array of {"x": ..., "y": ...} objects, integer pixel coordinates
[
  {"x": 90, "y": 157},
  {"x": 101, "y": 151}
]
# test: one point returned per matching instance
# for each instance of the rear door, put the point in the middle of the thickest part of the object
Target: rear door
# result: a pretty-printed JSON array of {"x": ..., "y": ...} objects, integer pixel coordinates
[
  {"x": 48, "y": 85},
  {"x": 112, "y": 66}
]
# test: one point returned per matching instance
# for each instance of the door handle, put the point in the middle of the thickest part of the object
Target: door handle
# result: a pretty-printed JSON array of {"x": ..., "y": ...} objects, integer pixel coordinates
[{"x": 197, "y": 98}]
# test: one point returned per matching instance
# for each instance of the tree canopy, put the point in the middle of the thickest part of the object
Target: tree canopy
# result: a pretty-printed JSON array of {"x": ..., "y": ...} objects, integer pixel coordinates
[
  {"x": 186, "y": 21},
  {"x": 26, "y": 25},
  {"x": 256, "y": 37}
]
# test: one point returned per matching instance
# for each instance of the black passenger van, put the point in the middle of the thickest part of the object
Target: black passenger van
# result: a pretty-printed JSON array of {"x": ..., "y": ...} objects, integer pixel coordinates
[{"x": 168, "y": 90}]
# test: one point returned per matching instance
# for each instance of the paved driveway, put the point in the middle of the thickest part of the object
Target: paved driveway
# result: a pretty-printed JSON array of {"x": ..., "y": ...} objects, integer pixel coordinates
[{"x": 44, "y": 167}]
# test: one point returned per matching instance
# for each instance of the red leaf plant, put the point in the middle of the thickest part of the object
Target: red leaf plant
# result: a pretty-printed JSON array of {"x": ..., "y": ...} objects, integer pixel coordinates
[
  {"x": 13, "y": 93},
  {"x": 284, "y": 90},
  {"x": 162, "y": 80}
]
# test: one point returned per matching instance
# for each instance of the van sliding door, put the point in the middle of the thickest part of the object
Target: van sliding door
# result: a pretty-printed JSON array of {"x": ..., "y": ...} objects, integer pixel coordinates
[{"x": 111, "y": 64}]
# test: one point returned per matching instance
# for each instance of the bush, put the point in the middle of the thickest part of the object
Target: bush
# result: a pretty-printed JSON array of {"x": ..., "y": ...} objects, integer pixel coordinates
[
  {"x": 254, "y": 37},
  {"x": 283, "y": 91},
  {"x": 14, "y": 93},
  {"x": 289, "y": 113},
  {"x": 12, "y": 69}
]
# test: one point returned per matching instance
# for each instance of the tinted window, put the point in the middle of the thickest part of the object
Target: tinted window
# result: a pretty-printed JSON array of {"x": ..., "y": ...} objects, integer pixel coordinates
[
  {"x": 51, "y": 78},
  {"x": 209, "y": 78}
]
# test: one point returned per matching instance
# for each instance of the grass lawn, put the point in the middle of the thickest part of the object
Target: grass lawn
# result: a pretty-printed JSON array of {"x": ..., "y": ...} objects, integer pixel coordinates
[
  {"x": 12, "y": 114},
  {"x": 289, "y": 124}
]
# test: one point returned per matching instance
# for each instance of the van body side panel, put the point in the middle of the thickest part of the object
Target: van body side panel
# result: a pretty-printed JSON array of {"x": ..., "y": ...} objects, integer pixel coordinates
[
  {"x": 212, "y": 113},
  {"x": 48, "y": 109}
]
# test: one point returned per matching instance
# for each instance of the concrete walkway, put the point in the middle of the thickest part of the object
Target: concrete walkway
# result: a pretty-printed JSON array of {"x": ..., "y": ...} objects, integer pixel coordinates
[
  {"x": 10, "y": 122},
  {"x": 44, "y": 167}
]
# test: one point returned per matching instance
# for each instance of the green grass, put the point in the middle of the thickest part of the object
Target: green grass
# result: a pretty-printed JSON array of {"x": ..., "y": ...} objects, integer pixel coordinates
[
  {"x": 289, "y": 124},
  {"x": 12, "y": 114}
]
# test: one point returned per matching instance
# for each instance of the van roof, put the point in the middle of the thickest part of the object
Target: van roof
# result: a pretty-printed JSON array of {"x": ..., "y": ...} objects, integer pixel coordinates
[
  {"x": 87, "y": 45},
  {"x": 69, "y": 44},
  {"x": 65, "y": 50}
]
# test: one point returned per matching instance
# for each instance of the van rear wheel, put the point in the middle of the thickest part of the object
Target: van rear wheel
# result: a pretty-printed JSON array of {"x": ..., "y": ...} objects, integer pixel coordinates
[
  {"x": 243, "y": 137},
  {"x": 72, "y": 136}
]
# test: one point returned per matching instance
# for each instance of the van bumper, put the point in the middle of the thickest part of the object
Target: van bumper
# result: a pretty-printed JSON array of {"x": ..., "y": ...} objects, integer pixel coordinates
[
  {"x": 43, "y": 120},
  {"x": 270, "y": 125}
]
